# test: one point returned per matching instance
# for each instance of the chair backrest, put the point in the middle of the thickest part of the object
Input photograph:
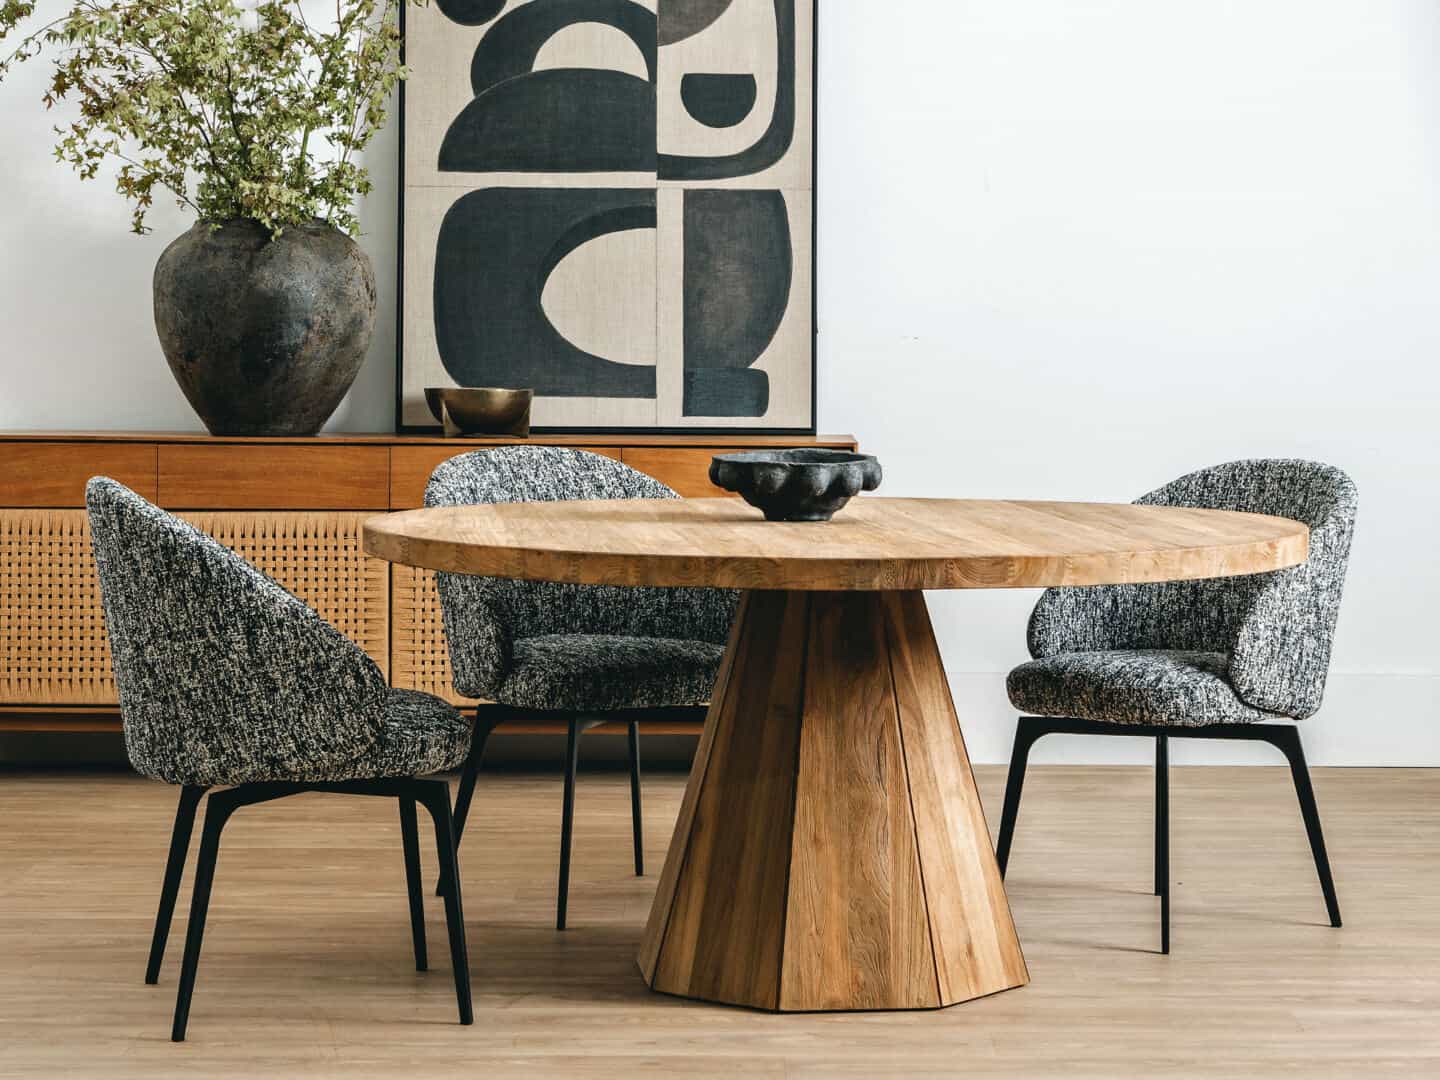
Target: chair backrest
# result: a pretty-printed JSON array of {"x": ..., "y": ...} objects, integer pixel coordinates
[
  {"x": 1277, "y": 628},
  {"x": 224, "y": 676},
  {"x": 484, "y": 615}
]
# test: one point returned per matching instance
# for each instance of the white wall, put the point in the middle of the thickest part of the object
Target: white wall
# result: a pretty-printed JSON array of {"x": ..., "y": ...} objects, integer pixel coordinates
[{"x": 1066, "y": 250}]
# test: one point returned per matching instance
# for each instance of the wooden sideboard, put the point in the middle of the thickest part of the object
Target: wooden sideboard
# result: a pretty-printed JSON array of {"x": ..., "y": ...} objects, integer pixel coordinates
[{"x": 293, "y": 507}]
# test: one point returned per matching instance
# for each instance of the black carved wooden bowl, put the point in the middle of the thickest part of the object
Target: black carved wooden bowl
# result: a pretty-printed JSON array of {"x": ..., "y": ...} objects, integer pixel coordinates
[{"x": 796, "y": 485}]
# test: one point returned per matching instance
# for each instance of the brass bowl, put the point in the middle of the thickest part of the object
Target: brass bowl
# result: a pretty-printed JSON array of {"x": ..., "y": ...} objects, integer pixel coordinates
[{"x": 481, "y": 410}]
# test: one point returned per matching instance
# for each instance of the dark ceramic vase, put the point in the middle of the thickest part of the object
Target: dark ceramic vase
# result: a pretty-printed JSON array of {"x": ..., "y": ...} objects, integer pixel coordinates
[{"x": 264, "y": 335}]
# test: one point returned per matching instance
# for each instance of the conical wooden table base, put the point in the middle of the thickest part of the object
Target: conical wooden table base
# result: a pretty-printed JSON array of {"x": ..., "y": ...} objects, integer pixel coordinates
[{"x": 831, "y": 851}]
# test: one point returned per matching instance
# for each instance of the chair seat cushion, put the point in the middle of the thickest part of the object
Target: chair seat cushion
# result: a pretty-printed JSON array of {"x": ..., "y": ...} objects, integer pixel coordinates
[
  {"x": 421, "y": 735},
  {"x": 1132, "y": 686},
  {"x": 602, "y": 672}
]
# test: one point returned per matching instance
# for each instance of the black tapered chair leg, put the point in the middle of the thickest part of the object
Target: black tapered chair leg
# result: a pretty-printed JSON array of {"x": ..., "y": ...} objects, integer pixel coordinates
[
  {"x": 465, "y": 793},
  {"x": 437, "y": 801},
  {"x": 174, "y": 869},
  {"x": 217, "y": 812},
  {"x": 410, "y": 840},
  {"x": 1162, "y": 836},
  {"x": 567, "y": 820},
  {"x": 1287, "y": 740},
  {"x": 1027, "y": 730},
  {"x": 636, "y": 828}
]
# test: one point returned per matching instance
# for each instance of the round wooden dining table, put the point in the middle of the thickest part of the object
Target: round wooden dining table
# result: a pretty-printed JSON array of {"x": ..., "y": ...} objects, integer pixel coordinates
[{"x": 831, "y": 851}]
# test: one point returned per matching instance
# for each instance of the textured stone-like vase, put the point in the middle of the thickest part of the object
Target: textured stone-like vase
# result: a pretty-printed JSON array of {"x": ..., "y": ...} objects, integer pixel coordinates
[{"x": 264, "y": 335}]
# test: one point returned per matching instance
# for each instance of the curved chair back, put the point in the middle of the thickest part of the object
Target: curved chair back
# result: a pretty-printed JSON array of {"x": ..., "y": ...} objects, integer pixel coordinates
[
  {"x": 1277, "y": 628},
  {"x": 484, "y": 615},
  {"x": 224, "y": 676}
]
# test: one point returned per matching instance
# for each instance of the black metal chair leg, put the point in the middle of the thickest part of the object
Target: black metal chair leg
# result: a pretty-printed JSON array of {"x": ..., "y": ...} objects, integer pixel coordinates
[
  {"x": 410, "y": 840},
  {"x": 466, "y": 790},
  {"x": 217, "y": 811},
  {"x": 1027, "y": 730},
  {"x": 567, "y": 820},
  {"x": 174, "y": 869},
  {"x": 436, "y": 797},
  {"x": 1162, "y": 836},
  {"x": 1287, "y": 740},
  {"x": 636, "y": 828}
]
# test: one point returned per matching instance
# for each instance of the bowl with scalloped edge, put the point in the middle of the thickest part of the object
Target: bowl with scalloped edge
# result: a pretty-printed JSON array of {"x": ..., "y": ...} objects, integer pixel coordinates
[{"x": 796, "y": 485}]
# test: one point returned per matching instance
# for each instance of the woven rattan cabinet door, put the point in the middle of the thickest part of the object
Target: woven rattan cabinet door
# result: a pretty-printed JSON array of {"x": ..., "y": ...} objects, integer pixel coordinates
[
  {"x": 53, "y": 649},
  {"x": 420, "y": 657}
]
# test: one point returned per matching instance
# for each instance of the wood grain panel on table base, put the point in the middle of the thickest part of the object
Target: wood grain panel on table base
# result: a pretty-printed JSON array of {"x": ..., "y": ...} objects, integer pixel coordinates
[
  {"x": 46, "y": 474},
  {"x": 873, "y": 543},
  {"x": 809, "y": 870},
  {"x": 664, "y": 900},
  {"x": 970, "y": 954},
  {"x": 228, "y": 477}
]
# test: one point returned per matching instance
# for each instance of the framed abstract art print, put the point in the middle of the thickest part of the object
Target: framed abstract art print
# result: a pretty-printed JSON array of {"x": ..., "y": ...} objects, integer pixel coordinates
[{"x": 611, "y": 202}]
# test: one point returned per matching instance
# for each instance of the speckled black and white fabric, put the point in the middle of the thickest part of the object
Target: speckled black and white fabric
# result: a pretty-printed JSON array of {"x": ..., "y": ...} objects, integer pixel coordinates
[
  {"x": 549, "y": 645},
  {"x": 1132, "y": 686},
  {"x": 422, "y": 735},
  {"x": 226, "y": 678},
  {"x": 1273, "y": 631},
  {"x": 609, "y": 671}
]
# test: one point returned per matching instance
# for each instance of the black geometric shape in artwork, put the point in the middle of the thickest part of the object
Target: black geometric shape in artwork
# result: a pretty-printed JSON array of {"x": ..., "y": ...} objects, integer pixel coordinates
[
  {"x": 562, "y": 120},
  {"x": 470, "y": 12},
  {"x": 772, "y": 145},
  {"x": 680, "y": 19},
  {"x": 718, "y": 101},
  {"x": 510, "y": 47},
  {"x": 737, "y": 273},
  {"x": 559, "y": 119},
  {"x": 495, "y": 251}
]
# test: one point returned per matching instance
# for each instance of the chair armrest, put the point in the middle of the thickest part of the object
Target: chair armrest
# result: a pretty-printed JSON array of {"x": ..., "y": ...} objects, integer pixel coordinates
[{"x": 480, "y": 644}]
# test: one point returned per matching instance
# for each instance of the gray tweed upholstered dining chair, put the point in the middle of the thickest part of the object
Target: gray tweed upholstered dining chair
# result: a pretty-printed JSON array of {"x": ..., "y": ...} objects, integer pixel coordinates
[
  {"x": 583, "y": 654},
  {"x": 1211, "y": 659},
  {"x": 228, "y": 680}
]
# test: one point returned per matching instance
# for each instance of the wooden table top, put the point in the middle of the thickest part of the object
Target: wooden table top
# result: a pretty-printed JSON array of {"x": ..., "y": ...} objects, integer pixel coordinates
[{"x": 873, "y": 543}]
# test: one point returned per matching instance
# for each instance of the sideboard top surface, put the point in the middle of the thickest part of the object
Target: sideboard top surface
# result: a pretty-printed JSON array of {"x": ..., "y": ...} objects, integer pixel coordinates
[
  {"x": 740, "y": 439},
  {"x": 325, "y": 472}
]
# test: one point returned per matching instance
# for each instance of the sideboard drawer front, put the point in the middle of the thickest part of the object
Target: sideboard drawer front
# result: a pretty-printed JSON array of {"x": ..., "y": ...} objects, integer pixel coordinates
[
  {"x": 296, "y": 477},
  {"x": 53, "y": 648},
  {"x": 411, "y": 466},
  {"x": 46, "y": 474},
  {"x": 420, "y": 659},
  {"x": 687, "y": 471}
]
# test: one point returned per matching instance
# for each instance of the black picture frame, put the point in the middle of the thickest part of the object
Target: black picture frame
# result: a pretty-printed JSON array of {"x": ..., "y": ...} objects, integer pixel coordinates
[{"x": 402, "y": 428}]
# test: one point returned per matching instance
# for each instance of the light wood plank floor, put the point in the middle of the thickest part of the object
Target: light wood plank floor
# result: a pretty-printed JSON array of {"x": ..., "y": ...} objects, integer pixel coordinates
[{"x": 307, "y": 969}]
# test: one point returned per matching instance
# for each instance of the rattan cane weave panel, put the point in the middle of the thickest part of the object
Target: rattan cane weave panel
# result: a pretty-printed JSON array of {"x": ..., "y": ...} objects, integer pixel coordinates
[
  {"x": 420, "y": 658},
  {"x": 53, "y": 649}
]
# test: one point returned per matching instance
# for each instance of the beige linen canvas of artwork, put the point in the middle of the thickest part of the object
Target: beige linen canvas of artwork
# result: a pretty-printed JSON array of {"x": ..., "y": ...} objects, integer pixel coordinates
[{"x": 612, "y": 202}]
